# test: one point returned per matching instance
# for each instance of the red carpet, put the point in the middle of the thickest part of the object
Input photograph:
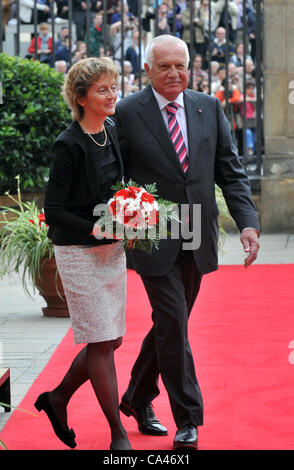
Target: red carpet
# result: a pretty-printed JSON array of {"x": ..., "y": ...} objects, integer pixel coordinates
[{"x": 240, "y": 332}]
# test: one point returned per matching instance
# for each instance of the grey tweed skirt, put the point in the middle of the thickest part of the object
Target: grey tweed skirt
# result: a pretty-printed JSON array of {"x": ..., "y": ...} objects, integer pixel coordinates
[{"x": 94, "y": 282}]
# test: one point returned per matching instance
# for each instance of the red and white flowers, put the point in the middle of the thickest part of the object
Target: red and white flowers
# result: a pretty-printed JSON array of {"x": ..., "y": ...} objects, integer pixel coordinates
[
  {"x": 135, "y": 214},
  {"x": 134, "y": 207}
]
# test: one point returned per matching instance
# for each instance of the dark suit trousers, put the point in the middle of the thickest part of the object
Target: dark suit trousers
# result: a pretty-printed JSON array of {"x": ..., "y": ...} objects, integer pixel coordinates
[{"x": 165, "y": 349}]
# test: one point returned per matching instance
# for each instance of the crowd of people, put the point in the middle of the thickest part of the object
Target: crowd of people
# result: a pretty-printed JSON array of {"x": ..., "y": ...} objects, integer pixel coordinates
[{"x": 209, "y": 48}]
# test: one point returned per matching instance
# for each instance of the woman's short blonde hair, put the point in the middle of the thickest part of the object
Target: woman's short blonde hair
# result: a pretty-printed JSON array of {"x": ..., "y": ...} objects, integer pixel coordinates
[{"x": 81, "y": 76}]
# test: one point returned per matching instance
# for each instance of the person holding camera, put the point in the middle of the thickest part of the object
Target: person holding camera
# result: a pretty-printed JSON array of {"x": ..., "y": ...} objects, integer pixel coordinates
[
  {"x": 218, "y": 47},
  {"x": 234, "y": 96},
  {"x": 219, "y": 16},
  {"x": 130, "y": 26},
  {"x": 163, "y": 26}
]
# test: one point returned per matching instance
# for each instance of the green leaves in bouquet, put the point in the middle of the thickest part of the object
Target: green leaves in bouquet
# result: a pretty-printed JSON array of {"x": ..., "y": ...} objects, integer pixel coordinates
[{"x": 150, "y": 188}]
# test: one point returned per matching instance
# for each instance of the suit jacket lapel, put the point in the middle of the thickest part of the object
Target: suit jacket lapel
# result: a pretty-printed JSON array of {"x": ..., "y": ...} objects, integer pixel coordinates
[
  {"x": 115, "y": 147},
  {"x": 153, "y": 119},
  {"x": 91, "y": 173},
  {"x": 194, "y": 118}
]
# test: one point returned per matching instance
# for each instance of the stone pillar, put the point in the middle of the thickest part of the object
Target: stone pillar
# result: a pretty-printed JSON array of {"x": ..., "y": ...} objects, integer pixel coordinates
[{"x": 277, "y": 187}]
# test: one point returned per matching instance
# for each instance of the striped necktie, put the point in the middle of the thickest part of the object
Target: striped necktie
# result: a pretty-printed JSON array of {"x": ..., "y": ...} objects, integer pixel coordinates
[{"x": 176, "y": 134}]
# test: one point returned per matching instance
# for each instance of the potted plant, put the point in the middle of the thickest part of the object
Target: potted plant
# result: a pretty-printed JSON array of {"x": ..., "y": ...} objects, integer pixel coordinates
[{"x": 26, "y": 250}]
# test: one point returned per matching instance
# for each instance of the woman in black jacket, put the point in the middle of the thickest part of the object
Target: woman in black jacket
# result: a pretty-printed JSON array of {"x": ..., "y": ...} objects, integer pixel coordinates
[{"x": 86, "y": 162}]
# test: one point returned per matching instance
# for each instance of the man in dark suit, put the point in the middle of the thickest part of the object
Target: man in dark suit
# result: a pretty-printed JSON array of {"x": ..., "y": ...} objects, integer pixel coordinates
[{"x": 180, "y": 140}]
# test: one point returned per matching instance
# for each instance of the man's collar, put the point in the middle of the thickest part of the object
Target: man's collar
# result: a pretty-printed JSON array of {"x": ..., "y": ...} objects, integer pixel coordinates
[{"x": 162, "y": 101}]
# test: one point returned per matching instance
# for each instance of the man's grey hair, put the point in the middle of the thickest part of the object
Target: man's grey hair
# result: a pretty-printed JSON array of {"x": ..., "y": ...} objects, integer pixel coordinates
[{"x": 164, "y": 38}]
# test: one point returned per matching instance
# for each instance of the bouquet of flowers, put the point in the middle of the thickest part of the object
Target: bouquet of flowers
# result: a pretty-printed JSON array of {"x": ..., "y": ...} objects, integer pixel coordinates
[{"x": 136, "y": 215}]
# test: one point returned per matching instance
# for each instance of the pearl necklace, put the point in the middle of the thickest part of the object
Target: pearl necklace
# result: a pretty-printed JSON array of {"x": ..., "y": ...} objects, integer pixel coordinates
[{"x": 97, "y": 143}]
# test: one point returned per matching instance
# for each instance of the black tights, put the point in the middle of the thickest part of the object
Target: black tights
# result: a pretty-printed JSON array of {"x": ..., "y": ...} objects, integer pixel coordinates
[{"x": 94, "y": 362}]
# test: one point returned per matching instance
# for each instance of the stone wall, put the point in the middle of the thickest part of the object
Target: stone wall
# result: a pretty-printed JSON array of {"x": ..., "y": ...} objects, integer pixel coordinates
[{"x": 277, "y": 187}]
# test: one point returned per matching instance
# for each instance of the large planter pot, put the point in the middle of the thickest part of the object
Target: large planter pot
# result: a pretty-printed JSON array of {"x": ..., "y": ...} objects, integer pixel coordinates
[{"x": 51, "y": 289}]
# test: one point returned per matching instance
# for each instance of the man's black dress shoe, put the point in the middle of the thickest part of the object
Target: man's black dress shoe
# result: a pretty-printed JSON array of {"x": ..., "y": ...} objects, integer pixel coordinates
[
  {"x": 146, "y": 419},
  {"x": 66, "y": 436},
  {"x": 186, "y": 438}
]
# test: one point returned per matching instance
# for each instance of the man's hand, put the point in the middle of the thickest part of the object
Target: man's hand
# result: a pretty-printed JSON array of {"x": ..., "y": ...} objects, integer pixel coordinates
[{"x": 249, "y": 240}]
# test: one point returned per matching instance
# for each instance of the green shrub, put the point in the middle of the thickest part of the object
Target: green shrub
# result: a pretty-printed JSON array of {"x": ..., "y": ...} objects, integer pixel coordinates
[{"x": 32, "y": 115}]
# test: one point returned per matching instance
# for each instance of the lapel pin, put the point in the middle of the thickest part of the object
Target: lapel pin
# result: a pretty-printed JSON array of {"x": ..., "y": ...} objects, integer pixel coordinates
[{"x": 199, "y": 110}]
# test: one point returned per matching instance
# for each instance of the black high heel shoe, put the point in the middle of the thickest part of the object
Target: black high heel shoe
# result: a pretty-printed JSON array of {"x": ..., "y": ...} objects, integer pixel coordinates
[
  {"x": 67, "y": 437},
  {"x": 113, "y": 447}
]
